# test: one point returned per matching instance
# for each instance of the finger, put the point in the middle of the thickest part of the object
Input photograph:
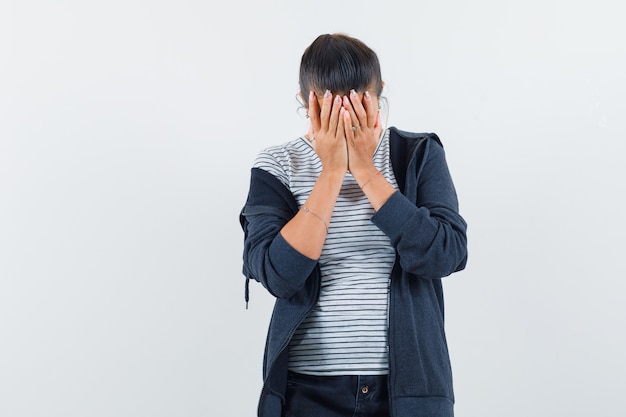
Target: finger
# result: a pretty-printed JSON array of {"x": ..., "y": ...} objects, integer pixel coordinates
[
  {"x": 360, "y": 113},
  {"x": 377, "y": 126},
  {"x": 334, "y": 114},
  {"x": 341, "y": 124},
  {"x": 325, "y": 113},
  {"x": 314, "y": 112},
  {"x": 370, "y": 109},
  {"x": 347, "y": 126},
  {"x": 347, "y": 104}
]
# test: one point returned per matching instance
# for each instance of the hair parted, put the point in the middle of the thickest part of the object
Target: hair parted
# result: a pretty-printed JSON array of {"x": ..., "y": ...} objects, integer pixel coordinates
[{"x": 339, "y": 63}]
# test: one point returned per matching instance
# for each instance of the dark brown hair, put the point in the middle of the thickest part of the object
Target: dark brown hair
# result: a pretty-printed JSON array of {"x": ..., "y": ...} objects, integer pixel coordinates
[{"x": 339, "y": 63}]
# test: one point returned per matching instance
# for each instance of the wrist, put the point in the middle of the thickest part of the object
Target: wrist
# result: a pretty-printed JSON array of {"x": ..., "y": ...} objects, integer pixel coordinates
[
  {"x": 332, "y": 176},
  {"x": 336, "y": 173},
  {"x": 365, "y": 174},
  {"x": 371, "y": 180}
]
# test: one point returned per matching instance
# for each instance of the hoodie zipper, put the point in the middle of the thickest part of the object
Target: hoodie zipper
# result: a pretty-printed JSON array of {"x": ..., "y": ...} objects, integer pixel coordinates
[
  {"x": 389, "y": 339},
  {"x": 291, "y": 332}
]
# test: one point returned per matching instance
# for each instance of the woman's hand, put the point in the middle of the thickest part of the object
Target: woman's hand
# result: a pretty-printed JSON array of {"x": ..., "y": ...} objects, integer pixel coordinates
[
  {"x": 306, "y": 231},
  {"x": 328, "y": 133},
  {"x": 362, "y": 129}
]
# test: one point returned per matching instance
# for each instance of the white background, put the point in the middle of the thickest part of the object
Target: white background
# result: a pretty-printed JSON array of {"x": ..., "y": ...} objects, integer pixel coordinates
[{"x": 127, "y": 130}]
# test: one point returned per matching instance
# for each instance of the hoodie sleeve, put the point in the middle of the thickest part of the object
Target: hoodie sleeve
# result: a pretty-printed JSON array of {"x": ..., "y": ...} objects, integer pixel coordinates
[
  {"x": 430, "y": 235},
  {"x": 267, "y": 257}
]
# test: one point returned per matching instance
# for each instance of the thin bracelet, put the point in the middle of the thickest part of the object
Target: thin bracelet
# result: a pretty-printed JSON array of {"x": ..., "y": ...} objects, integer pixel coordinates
[
  {"x": 305, "y": 208},
  {"x": 370, "y": 179}
]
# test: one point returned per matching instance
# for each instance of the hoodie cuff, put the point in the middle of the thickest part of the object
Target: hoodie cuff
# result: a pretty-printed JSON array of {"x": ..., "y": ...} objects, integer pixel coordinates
[
  {"x": 290, "y": 265},
  {"x": 392, "y": 216}
]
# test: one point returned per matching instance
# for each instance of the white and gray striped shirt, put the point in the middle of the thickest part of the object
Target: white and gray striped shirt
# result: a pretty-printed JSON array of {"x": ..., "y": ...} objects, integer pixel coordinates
[{"x": 346, "y": 332}]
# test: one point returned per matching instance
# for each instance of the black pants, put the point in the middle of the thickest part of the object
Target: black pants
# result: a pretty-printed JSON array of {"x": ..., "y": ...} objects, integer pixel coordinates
[{"x": 336, "y": 396}]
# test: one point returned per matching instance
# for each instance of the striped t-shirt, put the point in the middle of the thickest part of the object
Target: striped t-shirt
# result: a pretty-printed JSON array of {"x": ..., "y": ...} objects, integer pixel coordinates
[{"x": 346, "y": 332}]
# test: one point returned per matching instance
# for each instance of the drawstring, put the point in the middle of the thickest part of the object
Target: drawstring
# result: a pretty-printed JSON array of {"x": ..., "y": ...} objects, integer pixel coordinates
[{"x": 247, "y": 291}]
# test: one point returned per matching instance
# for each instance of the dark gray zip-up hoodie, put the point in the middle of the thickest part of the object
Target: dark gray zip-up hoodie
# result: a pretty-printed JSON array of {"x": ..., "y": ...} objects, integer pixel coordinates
[{"x": 429, "y": 235}]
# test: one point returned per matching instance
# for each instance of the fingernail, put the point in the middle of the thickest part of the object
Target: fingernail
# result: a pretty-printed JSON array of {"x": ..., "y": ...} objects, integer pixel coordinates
[
  {"x": 367, "y": 95},
  {"x": 326, "y": 93},
  {"x": 338, "y": 99},
  {"x": 353, "y": 93}
]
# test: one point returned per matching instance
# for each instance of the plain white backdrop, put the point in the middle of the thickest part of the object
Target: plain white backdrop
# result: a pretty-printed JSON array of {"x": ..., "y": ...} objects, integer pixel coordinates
[{"x": 127, "y": 131}]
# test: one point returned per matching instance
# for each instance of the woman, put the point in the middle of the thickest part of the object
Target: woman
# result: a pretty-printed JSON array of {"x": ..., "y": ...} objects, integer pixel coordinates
[{"x": 351, "y": 227}]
